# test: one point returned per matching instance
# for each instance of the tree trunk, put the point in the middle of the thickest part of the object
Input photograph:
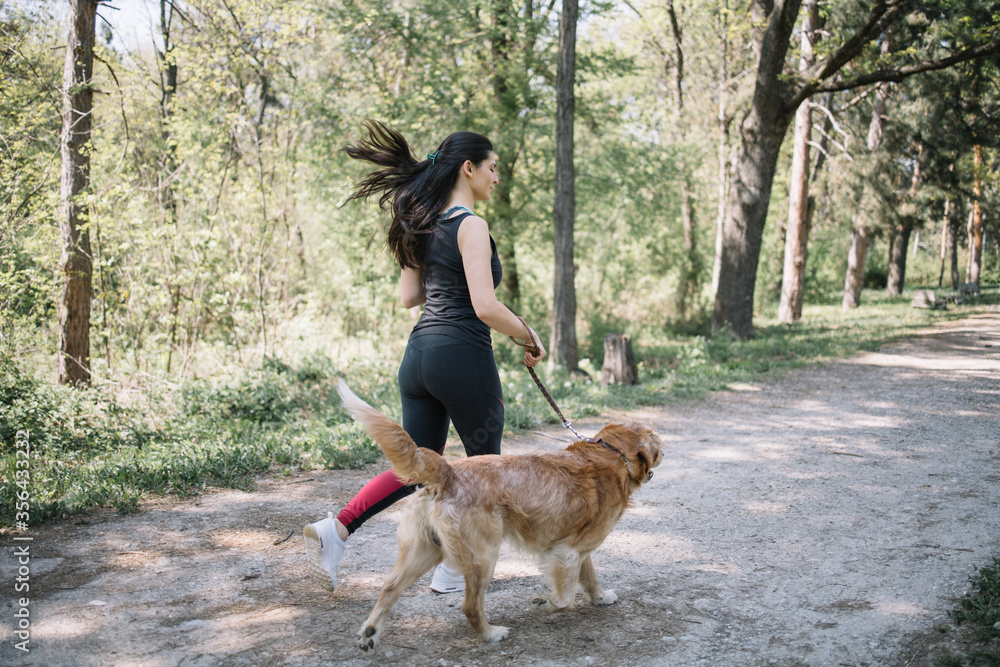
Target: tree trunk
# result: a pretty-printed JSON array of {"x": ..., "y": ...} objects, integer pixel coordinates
[
  {"x": 761, "y": 134},
  {"x": 954, "y": 226},
  {"x": 619, "y": 364},
  {"x": 856, "y": 257},
  {"x": 901, "y": 235},
  {"x": 677, "y": 86},
  {"x": 722, "y": 149},
  {"x": 976, "y": 219},
  {"x": 799, "y": 222},
  {"x": 76, "y": 259},
  {"x": 750, "y": 193},
  {"x": 168, "y": 88},
  {"x": 502, "y": 214},
  {"x": 855, "y": 278},
  {"x": 168, "y": 202},
  {"x": 688, "y": 286},
  {"x": 503, "y": 219},
  {"x": 944, "y": 240},
  {"x": 563, "y": 344},
  {"x": 897, "y": 257},
  {"x": 799, "y": 218}
]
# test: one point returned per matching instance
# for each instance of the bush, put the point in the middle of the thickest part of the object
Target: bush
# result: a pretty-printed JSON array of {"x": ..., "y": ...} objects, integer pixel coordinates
[
  {"x": 876, "y": 277},
  {"x": 64, "y": 418},
  {"x": 91, "y": 451}
]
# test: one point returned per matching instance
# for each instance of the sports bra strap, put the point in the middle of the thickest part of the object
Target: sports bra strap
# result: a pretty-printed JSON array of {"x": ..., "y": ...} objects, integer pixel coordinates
[{"x": 456, "y": 208}]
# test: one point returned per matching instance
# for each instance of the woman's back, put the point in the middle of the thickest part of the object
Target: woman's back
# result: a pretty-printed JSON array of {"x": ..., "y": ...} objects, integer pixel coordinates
[{"x": 449, "y": 310}]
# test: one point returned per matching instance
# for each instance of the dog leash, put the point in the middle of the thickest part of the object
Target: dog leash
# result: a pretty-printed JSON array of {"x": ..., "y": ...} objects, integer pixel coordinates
[{"x": 530, "y": 346}]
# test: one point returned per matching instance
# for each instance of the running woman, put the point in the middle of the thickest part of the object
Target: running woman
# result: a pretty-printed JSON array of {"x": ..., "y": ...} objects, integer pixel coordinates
[{"x": 449, "y": 264}]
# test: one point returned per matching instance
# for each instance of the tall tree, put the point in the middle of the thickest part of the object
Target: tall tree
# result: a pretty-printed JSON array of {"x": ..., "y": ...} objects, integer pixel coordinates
[
  {"x": 954, "y": 226},
  {"x": 512, "y": 45},
  {"x": 857, "y": 255},
  {"x": 975, "y": 227},
  {"x": 945, "y": 229},
  {"x": 775, "y": 100},
  {"x": 800, "y": 204},
  {"x": 901, "y": 231},
  {"x": 167, "y": 60},
  {"x": 564, "y": 344},
  {"x": 76, "y": 259},
  {"x": 722, "y": 150},
  {"x": 692, "y": 261}
]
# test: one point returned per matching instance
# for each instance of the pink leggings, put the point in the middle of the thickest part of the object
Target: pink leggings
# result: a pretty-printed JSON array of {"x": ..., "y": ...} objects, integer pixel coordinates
[{"x": 383, "y": 490}]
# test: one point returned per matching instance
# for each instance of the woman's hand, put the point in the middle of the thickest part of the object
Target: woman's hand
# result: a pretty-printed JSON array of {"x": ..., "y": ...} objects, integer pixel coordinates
[{"x": 534, "y": 354}]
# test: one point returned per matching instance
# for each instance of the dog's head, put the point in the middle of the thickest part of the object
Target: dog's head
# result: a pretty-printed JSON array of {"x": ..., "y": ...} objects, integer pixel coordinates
[{"x": 640, "y": 445}]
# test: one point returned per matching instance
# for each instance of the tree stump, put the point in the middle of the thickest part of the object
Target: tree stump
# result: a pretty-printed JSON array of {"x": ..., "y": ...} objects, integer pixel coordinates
[{"x": 619, "y": 364}]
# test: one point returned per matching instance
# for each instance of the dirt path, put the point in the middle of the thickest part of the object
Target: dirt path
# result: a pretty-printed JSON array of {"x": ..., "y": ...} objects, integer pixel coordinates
[{"x": 829, "y": 518}]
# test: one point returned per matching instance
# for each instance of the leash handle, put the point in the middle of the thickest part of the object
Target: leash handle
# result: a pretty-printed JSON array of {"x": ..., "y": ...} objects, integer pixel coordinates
[{"x": 530, "y": 344}]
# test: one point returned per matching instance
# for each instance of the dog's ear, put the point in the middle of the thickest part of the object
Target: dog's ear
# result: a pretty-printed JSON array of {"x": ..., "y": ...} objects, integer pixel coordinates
[
  {"x": 645, "y": 445},
  {"x": 648, "y": 453},
  {"x": 639, "y": 443},
  {"x": 645, "y": 460}
]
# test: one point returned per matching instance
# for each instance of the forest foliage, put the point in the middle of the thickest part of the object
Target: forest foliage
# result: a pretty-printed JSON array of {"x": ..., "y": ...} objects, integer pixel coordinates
[{"x": 216, "y": 208}]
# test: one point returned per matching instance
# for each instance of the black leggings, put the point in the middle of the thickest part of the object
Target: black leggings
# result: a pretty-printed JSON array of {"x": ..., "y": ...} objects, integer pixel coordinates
[{"x": 441, "y": 379}]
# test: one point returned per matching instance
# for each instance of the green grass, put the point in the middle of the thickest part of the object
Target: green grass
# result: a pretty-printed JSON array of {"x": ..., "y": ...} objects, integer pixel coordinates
[
  {"x": 979, "y": 612},
  {"x": 93, "y": 448}
]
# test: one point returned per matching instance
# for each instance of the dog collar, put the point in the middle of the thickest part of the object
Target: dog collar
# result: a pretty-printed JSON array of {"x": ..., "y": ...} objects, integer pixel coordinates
[
  {"x": 617, "y": 451},
  {"x": 620, "y": 454}
]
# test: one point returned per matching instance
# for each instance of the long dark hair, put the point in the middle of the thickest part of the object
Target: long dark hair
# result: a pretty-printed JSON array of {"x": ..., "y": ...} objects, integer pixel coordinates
[{"x": 416, "y": 190}]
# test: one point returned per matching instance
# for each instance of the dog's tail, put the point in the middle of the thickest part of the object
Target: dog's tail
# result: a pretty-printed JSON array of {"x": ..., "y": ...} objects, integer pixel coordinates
[{"x": 411, "y": 463}]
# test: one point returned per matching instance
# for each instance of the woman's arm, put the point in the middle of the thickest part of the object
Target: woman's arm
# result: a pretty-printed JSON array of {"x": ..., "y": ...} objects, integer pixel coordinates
[
  {"x": 411, "y": 287},
  {"x": 474, "y": 244}
]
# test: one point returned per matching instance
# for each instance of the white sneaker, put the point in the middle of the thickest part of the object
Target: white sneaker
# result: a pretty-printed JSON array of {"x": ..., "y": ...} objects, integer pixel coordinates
[
  {"x": 324, "y": 549},
  {"x": 447, "y": 580}
]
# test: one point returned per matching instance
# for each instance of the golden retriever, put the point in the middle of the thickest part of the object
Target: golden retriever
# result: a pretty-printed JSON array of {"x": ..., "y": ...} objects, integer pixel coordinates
[{"x": 560, "y": 506}]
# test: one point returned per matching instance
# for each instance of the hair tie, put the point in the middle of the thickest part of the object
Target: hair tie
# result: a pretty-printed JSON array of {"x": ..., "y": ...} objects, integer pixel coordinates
[{"x": 433, "y": 157}]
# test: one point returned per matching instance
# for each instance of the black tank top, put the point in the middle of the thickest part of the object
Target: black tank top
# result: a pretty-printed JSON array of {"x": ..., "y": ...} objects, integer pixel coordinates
[{"x": 449, "y": 310}]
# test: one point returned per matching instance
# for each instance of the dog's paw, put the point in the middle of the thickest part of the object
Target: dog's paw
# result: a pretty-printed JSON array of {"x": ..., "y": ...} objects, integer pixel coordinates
[
  {"x": 541, "y": 605},
  {"x": 369, "y": 637},
  {"x": 605, "y": 598},
  {"x": 494, "y": 634}
]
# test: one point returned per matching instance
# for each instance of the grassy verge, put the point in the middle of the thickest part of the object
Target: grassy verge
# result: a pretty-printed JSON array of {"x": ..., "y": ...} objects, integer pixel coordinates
[
  {"x": 979, "y": 616},
  {"x": 92, "y": 448}
]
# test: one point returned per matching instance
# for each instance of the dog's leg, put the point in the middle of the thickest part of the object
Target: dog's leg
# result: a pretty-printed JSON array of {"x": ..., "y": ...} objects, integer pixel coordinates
[
  {"x": 563, "y": 571},
  {"x": 588, "y": 580},
  {"x": 477, "y": 564},
  {"x": 417, "y": 555}
]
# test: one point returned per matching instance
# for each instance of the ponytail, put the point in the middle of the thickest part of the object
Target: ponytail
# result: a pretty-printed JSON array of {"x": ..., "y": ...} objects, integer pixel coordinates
[{"x": 415, "y": 191}]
